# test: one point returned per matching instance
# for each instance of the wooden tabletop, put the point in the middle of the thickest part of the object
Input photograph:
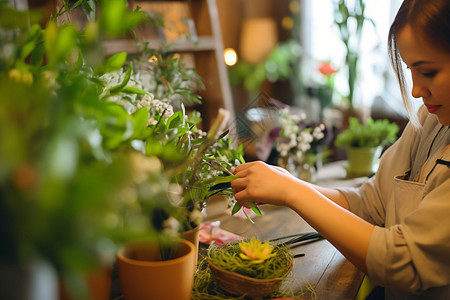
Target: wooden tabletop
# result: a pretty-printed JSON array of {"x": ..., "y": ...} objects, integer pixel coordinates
[{"x": 323, "y": 267}]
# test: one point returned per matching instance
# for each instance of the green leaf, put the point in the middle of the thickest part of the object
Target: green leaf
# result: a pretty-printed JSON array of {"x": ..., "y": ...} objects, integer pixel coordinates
[
  {"x": 248, "y": 218},
  {"x": 37, "y": 56},
  {"x": 223, "y": 179},
  {"x": 79, "y": 63},
  {"x": 224, "y": 134},
  {"x": 175, "y": 120},
  {"x": 236, "y": 208},
  {"x": 140, "y": 119},
  {"x": 133, "y": 90},
  {"x": 256, "y": 210},
  {"x": 116, "y": 62},
  {"x": 121, "y": 86}
]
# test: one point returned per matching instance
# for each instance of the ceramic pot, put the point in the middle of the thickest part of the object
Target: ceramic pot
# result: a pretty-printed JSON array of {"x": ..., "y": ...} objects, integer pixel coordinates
[
  {"x": 143, "y": 275},
  {"x": 362, "y": 161}
]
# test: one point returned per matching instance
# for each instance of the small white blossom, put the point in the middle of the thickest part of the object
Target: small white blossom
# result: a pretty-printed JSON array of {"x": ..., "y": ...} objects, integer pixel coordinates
[
  {"x": 175, "y": 192},
  {"x": 171, "y": 226},
  {"x": 196, "y": 216},
  {"x": 143, "y": 165}
]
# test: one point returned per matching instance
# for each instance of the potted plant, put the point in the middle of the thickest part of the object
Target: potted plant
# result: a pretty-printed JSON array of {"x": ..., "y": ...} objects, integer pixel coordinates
[
  {"x": 58, "y": 182},
  {"x": 69, "y": 193},
  {"x": 191, "y": 163},
  {"x": 364, "y": 143}
]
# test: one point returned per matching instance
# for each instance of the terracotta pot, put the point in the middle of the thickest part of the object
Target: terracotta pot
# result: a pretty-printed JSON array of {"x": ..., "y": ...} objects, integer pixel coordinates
[
  {"x": 143, "y": 275},
  {"x": 192, "y": 236}
]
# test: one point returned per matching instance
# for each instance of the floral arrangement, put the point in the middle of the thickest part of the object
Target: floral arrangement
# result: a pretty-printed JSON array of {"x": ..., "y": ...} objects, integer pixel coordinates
[
  {"x": 297, "y": 144},
  {"x": 253, "y": 258},
  {"x": 250, "y": 269},
  {"x": 193, "y": 160}
]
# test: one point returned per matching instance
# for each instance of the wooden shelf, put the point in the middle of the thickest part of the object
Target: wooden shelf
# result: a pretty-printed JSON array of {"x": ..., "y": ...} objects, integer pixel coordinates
[
  {"x": 206, "y": 47},
  {"x": 204, "y": 43}
]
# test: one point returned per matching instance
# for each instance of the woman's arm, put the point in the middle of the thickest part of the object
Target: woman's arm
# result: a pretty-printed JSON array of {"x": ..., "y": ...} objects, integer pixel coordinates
[
  {"x": 347, "y": 232},
  {"x": 332, "y": 194},
  {"x": 350, "y": 234}
]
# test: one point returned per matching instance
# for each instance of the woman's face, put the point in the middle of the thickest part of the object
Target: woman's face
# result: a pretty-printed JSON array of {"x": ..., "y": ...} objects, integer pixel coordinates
[{"x": 430, "y": 70}]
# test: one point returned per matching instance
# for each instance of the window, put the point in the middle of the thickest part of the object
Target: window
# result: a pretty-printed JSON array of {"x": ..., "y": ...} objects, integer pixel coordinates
[{"x": 321, "y": 42}]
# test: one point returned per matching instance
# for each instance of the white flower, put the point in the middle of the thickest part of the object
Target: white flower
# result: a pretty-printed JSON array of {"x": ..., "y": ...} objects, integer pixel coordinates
[
  {"x": 318, "y": 132},
  {"x": 143, "y": 165},
  {"x": 174, "y": 193},
  {"x": 283, "y": 149},
  {"x": 196, "y": 216},
  {"x": 305, "y": 137},
  {"x": 171, "y": 226}
]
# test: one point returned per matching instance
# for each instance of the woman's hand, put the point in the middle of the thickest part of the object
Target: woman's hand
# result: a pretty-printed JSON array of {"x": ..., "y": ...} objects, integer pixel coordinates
[
  {"x": 259, "y": 182},
  {"x": 262, "y": 183}
]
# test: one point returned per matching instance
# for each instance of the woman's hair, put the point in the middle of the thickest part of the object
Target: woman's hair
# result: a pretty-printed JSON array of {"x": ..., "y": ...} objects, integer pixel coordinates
[{"x": 430, "y": 20}]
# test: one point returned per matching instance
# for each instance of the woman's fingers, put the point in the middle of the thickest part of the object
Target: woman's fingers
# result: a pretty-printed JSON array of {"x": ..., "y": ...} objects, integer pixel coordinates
[
  {"x": 248, "y": 165},
  {"x": 238, "y": 184},
  {"x": 258, "y": 182}
]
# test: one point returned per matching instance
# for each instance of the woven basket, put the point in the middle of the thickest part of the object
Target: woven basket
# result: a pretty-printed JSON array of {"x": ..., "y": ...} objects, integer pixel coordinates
[{"x": 239, "y": 285}]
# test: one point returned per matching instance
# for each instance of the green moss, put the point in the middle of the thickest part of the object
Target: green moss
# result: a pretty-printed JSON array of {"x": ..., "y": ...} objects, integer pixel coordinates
[{"x": 227, "y": 257}]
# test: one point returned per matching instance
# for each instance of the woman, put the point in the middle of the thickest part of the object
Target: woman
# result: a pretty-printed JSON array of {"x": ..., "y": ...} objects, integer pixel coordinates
[{"x": 396, "y": 227}]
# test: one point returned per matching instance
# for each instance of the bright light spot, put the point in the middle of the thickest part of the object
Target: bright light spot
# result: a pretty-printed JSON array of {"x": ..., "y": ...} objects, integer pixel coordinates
[
  {"x": 287, "y": 23},
  {"x": 230, "y": 56},
  {"x": 294, "y": 7}
]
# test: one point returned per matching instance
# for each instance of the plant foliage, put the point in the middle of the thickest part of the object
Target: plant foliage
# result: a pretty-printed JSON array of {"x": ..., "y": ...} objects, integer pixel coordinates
[{"x": 371, "y": 134}]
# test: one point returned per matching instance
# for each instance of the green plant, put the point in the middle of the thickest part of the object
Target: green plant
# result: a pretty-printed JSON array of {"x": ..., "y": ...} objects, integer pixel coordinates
[
  {"x": 371, "y": 134},
  {"x": 350, "y": 19},
  {"x": 89, "y": 157},
  {"x": 59, "y": 181},
  {"x": 192, "y": 159},
  {"x": 277, "y": 66}
]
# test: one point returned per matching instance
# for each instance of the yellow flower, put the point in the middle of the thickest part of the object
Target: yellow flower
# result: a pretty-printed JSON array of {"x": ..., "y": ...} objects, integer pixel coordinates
[{"x": 256, "y": 251}]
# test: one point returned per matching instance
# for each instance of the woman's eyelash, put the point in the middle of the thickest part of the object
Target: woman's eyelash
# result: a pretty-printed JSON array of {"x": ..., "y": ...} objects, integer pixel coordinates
[
  {"x": 429, "y": 74},
  {"x": 426, "y": 74}
]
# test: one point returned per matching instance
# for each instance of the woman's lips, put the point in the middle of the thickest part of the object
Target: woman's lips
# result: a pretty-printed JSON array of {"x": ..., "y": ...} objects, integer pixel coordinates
[{"x": 432, "y": 108}]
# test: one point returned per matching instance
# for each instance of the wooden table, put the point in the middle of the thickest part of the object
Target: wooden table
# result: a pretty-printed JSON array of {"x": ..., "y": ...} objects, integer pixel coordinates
[{"x": 323, "y": 267}]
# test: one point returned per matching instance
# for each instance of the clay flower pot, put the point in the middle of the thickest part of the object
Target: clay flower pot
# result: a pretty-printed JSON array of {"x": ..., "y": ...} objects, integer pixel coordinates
[
  {"x": 143, "y": 275},
  {"x": 193, "y": 237}
]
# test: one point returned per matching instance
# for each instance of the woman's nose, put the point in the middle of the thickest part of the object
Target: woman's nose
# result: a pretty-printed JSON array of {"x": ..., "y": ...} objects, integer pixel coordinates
[{"x": 419, "y": 90}]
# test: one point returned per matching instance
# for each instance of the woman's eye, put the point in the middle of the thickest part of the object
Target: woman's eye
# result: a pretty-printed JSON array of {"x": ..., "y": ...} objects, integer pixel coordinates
[{"x": 429, "y": 74}]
